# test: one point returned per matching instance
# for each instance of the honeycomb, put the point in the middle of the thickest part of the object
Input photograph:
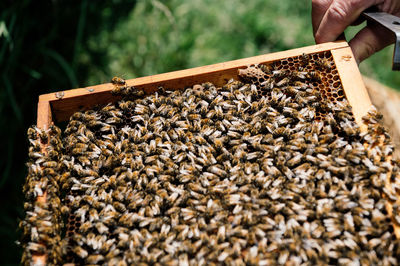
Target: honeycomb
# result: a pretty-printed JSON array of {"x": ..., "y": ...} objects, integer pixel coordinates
[
  {"x": 325, "y": 79},
  {"x": 72, "y": 225},
  {"x": 267, "y": 170}
]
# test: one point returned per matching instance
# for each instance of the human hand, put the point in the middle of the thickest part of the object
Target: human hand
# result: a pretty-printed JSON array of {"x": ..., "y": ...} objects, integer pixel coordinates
[{"x": 331, "y": 17}]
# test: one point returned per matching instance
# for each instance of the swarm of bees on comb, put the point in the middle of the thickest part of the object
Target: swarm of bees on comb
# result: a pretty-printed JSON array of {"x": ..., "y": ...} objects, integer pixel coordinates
[{"x": 271, "y": 169}]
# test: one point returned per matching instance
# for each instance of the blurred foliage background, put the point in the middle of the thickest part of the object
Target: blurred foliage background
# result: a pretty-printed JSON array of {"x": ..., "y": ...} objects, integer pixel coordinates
[{"x": 46, "y": 46}]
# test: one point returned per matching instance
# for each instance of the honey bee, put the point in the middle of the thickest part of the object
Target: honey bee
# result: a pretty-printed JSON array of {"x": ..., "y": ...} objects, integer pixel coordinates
[
  {"x": 267, "y": 68},
  {"x": 279, "y": 73},
  {"x": 44, "y": 137},
  {"x": 78, "y": 151},
  {"x": 299, "y": 75},
  {"x": 304, "y": 59},
  {"x": 323, "y": 64},
  {"x": 283, "y": 82},
  {"x": 94, "y": 259},
  {"x": 133, "y": 91},
  {"x": 36, "y": 247},
  {"x": 101, "y": 228},
  {"x": 32, "y": 133},
  {"x": 118, "y": 81},
  {"x": 80, "y": 252},
  {"x": 295, "y": 160},
  {"x": 51, "y": 164},
  {"x": 49, "y": 172},
  {"x": 314, "y": 75},
  {"x": 113, "y": 120},
  {"x": 55, "y": 142}
]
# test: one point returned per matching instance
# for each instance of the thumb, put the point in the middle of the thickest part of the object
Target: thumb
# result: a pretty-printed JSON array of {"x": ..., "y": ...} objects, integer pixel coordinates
[{"x": 370, "y": 40}]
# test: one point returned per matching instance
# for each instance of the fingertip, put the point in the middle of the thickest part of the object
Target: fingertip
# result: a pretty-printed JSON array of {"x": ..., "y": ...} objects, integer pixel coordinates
[
  {"x": 334, "y": 22},
  {"x": 317, "y": 37},
  {"x": 322, "y": 38},
  {"x": 318, "y": 9},
  {"x": 369, "y": 41},
  {"x": 356, "y": 54},
  {"x": 357, "y": 48},
  {"x": 338, "y": 17}
]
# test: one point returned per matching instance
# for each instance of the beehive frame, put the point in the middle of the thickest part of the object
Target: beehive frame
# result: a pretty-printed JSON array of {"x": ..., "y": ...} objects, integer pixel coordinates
[{"x": 59, "y": 106}]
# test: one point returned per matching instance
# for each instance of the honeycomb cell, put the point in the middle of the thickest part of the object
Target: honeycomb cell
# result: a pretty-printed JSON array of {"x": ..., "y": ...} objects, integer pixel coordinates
[{"x": 336, "y": 84}]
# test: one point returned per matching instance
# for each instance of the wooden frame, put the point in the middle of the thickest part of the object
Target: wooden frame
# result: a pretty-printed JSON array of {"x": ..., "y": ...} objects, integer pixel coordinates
[{"x": 57, "y": 107}]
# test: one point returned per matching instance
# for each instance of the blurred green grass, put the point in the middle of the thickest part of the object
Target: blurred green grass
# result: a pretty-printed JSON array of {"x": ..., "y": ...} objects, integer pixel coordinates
[
  {"x": 163, "y": 36},
  {"x": 57, "y": 45}
]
